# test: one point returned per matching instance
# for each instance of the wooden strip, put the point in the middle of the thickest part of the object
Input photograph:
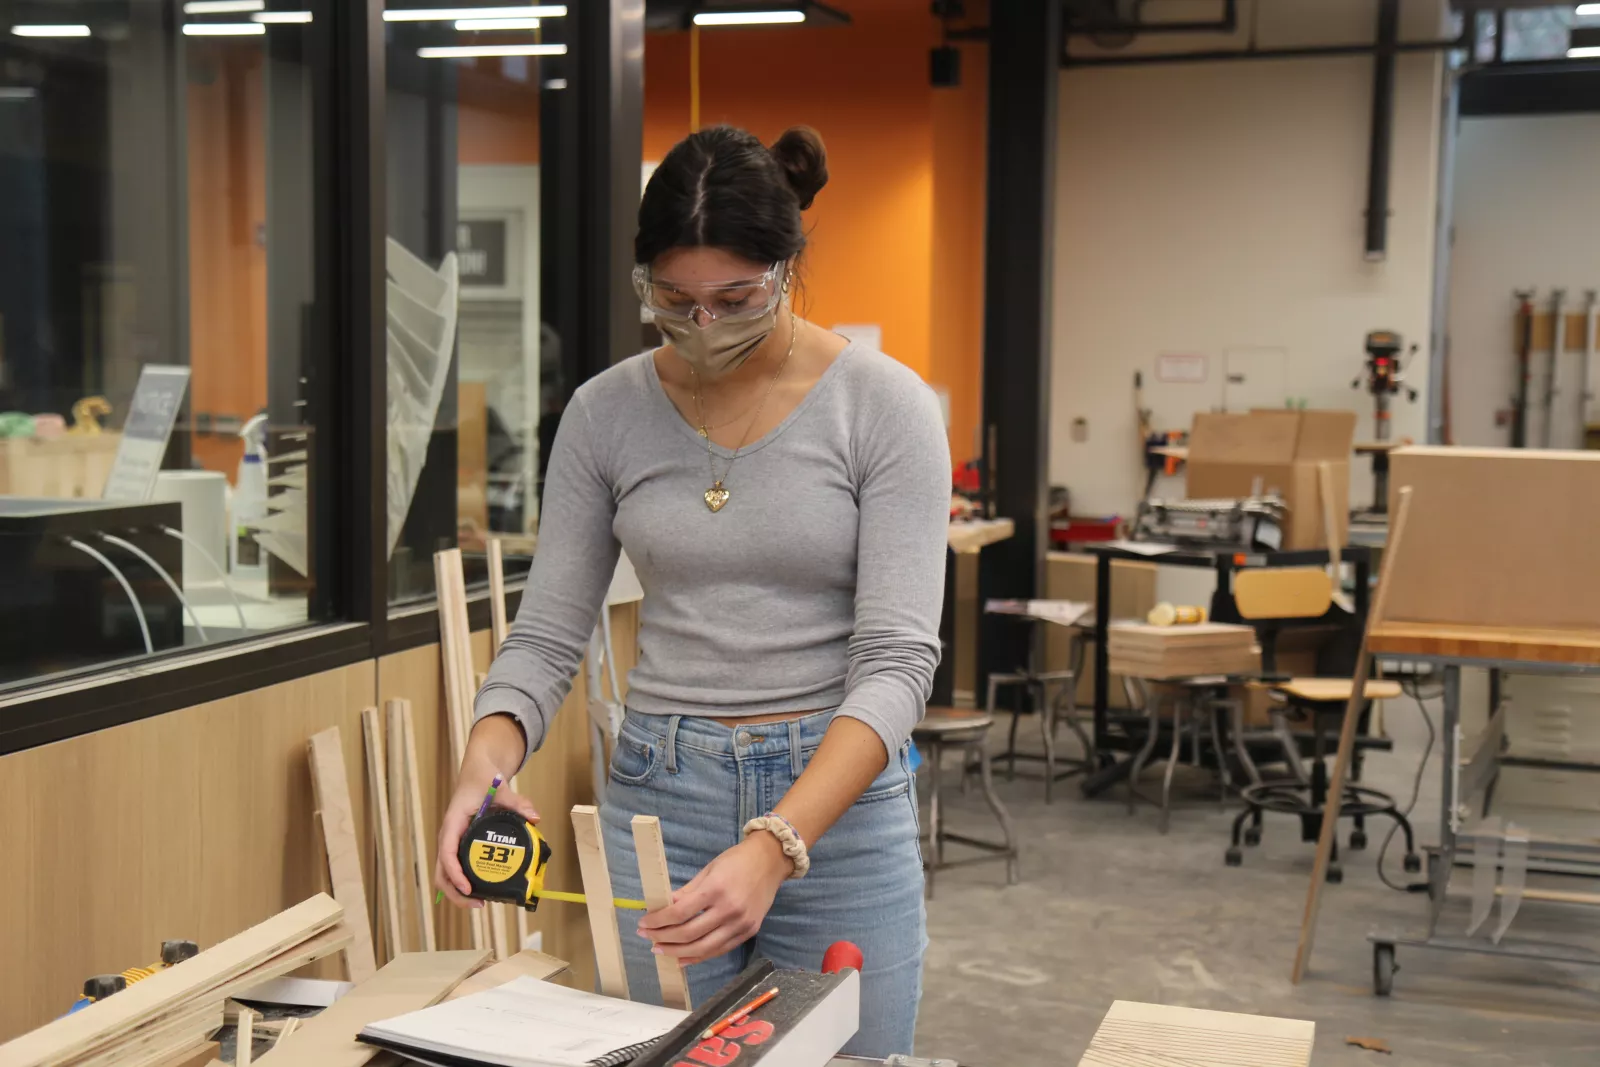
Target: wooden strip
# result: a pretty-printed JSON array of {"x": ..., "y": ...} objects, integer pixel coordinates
[
  {"x": 401, "y": 709},
  {"x": 378, "y": 786},
  {"x": 162, "y": 1039},
  {"x": 455, "y": 649},
  {"x": 78, "y": 1033},
  {"x": 406, "y": 889},
  {"x": 1347, "y": 737},
  {"x": 534, "y": 965},
  {"x": 244, "y": 1044},
  {"x": 1555, "y": 896},
  {"x": 657, "y": 880},
  {"x": 410, "y": 982},
  {"x": 331, "y": 793},
  {"x": 497, "y": 597},
  {"x": 597, "y": 892},
  {"x": 289, "y": 1028},
  {"x": 198, "y": 1056}
]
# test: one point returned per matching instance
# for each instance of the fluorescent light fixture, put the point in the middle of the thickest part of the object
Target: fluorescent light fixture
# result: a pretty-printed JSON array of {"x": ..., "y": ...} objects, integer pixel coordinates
[
  {"x": 222, "y": 7},
  {"x": 497, "y": 24},
  {"x": 73, "y": 30},
  {"x": 451, "y": 14},
  {"x": 282, "y": 18},
  {"x": 474, "y": 51},
  {"x": 223, "y": 29},
  {"x": 556, "y": 83},
  {"x": 1587, "y": 9},
  {"x": 748, "y": 18},
  {"x": 1587, "y": 52},
  {"x": 17, "y": 92}
]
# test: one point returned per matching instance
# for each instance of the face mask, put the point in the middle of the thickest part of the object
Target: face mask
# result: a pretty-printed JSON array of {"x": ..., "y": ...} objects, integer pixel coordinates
[{"x": 719, "y": 347}]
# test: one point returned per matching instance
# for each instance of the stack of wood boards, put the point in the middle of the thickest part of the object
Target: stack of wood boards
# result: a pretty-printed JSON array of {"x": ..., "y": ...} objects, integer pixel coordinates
[
  {"x": 1140, "y": 650},
  {"x": 175, "y": 1011},
  {"x": 1144, "y": 1035}
]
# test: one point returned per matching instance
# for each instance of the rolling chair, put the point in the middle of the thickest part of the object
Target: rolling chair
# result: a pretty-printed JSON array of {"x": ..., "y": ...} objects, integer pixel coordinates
[{"x": 1266, "y": 596}]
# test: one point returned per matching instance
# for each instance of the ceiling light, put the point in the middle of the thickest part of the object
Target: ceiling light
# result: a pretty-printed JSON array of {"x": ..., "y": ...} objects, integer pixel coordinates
[
  {"x": 450, "y": 14},
  {"x": 17, "y": 92},
  {"x": 1587, "y": 9},
  {"x": 474, "y": 51},
  {"x": 1586, "y": 52},
  {"x": 222, "y": 7},
  {"x": 223, "y": 29},
  {"x": 747, "y": 18},
  {"x": 497, "y": 24},
  {"x": 556, "y": 83},
  {"x": 282, "y": 17},
  {"x": 78, "y": 30}
]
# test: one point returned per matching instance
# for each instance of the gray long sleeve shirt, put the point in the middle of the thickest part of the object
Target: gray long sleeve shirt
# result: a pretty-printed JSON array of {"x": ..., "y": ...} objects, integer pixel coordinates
[{"x": 818, "y": 585}]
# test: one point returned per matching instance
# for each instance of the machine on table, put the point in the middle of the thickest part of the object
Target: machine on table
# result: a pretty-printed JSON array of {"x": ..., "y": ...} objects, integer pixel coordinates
[
  {"x": 1246, "y": 524},
  {"x": 1383, "y": 380}
]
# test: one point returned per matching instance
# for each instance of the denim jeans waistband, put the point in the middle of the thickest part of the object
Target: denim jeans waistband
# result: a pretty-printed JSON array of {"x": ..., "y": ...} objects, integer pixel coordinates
[{"x": 791, "y": 737}]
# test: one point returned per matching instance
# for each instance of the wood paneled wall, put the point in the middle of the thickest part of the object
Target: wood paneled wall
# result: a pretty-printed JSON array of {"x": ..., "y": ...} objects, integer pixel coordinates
[{"x": 198, "y": 823}]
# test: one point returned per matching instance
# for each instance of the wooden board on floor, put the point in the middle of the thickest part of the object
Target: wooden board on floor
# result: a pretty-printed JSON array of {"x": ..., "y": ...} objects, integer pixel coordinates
[
  {"x": 383, "y": 832},
  {"x": 408, "y": 892},
  {"x": 199, "y": 1056},
  {"x": 525, "y": 964},
  {"x": 82, "y": 1031},
  {"x": 331, "y": 791},
  {"x": 497, "y": 596},
  {"x": 1398, "y": 534},
  {"x": 657, "y": 881},
  {"x": 422, "y": 872},
  {"x": 244, "y": 1044},
  {"x": 597, "y": 893},
  {"x": 1144, "y": 1035},
  {"x": 410, "y": 982}
]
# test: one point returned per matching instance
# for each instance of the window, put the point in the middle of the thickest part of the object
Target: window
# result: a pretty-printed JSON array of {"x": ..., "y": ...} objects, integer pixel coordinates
[
  {"x": 475, "y": 97},
  {"x": 161, "y": 364}
]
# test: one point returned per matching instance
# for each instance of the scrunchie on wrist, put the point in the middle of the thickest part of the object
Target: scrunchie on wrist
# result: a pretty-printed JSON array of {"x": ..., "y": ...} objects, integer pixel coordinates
[{"x": 789, "y": 839}]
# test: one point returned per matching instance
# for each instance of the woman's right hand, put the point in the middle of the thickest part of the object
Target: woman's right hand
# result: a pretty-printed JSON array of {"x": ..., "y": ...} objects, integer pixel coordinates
[{"x": 495, "y": 746}]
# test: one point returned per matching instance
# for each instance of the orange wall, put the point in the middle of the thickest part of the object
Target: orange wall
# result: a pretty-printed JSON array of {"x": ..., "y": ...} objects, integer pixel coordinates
[{"x": 895, "y": 239}]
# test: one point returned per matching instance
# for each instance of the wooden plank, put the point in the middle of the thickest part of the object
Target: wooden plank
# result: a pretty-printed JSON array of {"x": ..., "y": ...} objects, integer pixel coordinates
[
  {"x": 410, "y": 903},
  {"x": 82, "y": 1031},
  {"x": 497, "y": 597},
  {"x": 1464, "y": 641},
  {"x": 244, "y": 1042},
  {"x": 198, "y": 1056},
  {"x": 1347, "y": 737},
  {"x": 1555, "y": 896},
  {"x": 410, "y": 982},
  {"x": 598, "y": 893},
  {"x": 164, "y": 1037},
  {"x": 657, "y": 881},
  {"x": 421, "y": 869},
  {"x": 287, "y": 1030},
  {"x": 383, "y": 831},
  {"x": 456, "y": 651},
  {"x": 1140, "y": 1035},
  {"x": 525, "y": 964},
  {"x": 331, "y": 792}
]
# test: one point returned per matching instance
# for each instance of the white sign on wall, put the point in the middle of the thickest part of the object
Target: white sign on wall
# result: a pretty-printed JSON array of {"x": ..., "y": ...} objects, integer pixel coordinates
[{"x": 1185, "y": 369}]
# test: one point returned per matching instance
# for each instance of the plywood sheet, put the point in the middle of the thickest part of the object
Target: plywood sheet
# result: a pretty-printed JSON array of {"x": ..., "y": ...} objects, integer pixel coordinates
[
  {"x": 1142, "y": 1035},
  {"x": 1070, "y": 576}
]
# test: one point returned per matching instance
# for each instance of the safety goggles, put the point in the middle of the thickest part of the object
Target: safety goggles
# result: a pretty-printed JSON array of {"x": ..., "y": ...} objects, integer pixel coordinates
[{"x": 737, "y": 301}]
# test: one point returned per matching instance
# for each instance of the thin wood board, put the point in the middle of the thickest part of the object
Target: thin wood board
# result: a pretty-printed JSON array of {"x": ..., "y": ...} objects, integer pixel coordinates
[
  {"x": 1347, "y": 736},
  {"x": 103, "y": 1022},
  {"x": 245, "y": 1039},
  {"x": 597, "y": 893},
  {"x": 409, "y": 982},
  {"x": 656, "y": 879},
  {"x": 1145, "y": 1035},
  {"x": 409, "y": 895},
  {"x": 526, "y": 964},
  {"x": 497, "y": 597},
  {"x": 420, "y": 856},
  {"x": 383, "y": 831},
  {"x": 331, "y": 791}
]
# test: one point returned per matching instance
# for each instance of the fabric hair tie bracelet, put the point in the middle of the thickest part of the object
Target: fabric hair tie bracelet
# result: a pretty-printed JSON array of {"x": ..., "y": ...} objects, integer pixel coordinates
[{"x": 789, "y": 839}]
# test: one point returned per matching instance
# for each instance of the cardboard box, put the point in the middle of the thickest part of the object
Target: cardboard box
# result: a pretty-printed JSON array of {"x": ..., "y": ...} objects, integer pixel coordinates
[{"x": 1283, "y": 449}]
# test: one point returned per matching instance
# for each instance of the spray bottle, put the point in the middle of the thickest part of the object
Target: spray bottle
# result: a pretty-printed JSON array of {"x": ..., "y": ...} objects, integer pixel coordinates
[{"x": 250, "y": 500}]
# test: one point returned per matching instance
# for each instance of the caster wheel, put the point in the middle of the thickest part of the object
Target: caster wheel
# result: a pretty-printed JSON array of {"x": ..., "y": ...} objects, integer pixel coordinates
[
  {"x": 1383, "y": 968},
  {"x": 1252, "y": 836},
  {"x": 1358, "y": 840},
  {"x": 1413, "y": 863},
  {"x": 1233, "y": 857},
  {"x": 1335, "y": 873}
]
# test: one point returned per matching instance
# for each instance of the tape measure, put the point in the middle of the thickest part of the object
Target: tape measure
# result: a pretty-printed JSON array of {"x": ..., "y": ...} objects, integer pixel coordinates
[{"x": 505, "y": 857}]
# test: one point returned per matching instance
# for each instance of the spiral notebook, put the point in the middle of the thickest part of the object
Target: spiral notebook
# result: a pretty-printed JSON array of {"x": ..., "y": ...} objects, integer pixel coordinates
[{"x": 526, "y": 1023}]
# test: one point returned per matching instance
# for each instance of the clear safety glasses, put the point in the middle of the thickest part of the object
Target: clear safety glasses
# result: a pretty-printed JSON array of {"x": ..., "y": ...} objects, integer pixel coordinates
[{"x": 737, "y": 301}]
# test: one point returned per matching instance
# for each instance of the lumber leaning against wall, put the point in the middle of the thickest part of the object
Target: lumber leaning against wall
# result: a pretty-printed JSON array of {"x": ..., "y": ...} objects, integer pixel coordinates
[{"x": 232, "y": 774}]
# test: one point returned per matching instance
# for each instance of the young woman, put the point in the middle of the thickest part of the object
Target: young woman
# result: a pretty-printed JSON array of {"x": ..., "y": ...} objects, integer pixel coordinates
[{"x": 783, "y": 494}]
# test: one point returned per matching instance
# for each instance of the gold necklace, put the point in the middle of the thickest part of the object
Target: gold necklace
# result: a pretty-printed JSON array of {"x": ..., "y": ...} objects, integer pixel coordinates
[{"x": 716, "y": 497}]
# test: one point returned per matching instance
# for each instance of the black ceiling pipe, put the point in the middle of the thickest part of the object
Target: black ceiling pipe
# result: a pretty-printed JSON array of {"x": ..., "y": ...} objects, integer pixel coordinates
[
  {"x": 1378, "y": 156},
  {"x": 1315, "y": 51}
]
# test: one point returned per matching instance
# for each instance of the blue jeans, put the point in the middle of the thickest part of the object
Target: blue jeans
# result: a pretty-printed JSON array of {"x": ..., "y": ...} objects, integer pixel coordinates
[{"x": 705, "y": 781}]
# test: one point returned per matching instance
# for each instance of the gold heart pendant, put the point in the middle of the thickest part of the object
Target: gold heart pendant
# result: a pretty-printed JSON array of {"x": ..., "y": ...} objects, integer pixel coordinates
[{"x": 716, "y": 497}]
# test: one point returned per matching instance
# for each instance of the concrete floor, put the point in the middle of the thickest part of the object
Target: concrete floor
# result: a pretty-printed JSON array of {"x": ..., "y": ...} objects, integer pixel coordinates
[{"x": 1110, "y": 909}]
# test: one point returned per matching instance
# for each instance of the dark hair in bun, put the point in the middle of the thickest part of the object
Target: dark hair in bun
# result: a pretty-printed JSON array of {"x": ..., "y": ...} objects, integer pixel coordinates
[{"x": 721, "y": 187}]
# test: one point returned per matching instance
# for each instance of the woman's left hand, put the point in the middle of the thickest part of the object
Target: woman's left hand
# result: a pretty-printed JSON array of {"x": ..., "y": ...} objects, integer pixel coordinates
[{"x": 722, "y": 907}]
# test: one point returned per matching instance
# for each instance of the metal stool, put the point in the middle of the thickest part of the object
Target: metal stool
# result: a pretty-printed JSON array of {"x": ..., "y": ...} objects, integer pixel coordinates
[
  {"x": 968, "y": 732},
  {"x": 1034, "y": 686}
]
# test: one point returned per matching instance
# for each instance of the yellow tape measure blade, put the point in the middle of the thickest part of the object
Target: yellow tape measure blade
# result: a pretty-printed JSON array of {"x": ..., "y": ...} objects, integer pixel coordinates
[{"x": 579, "y": 898}]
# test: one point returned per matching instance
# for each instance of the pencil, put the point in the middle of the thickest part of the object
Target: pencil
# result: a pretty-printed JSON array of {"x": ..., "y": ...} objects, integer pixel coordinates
[
  {"x": 483, "y": 809},
  {"x": 738, "y": 1016}
]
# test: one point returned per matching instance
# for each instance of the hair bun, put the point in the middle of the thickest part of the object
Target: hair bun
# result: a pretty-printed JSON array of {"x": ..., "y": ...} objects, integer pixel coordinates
[{"x": 804, "y": 161}]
